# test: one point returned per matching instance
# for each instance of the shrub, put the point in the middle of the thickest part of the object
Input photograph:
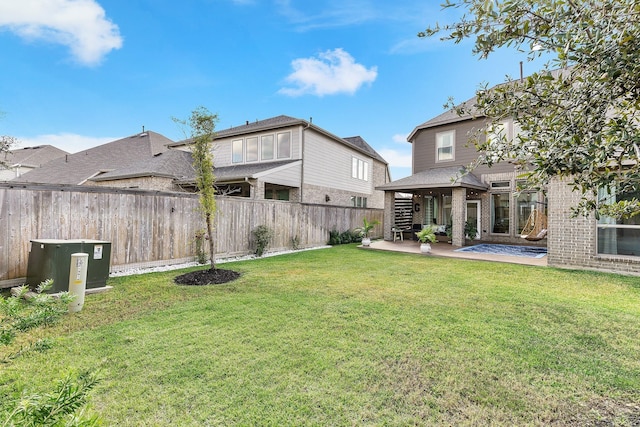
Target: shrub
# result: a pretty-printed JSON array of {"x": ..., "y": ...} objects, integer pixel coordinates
[
  {"x": 348, "y": 236},
  {"x": 262, "y": 235}
]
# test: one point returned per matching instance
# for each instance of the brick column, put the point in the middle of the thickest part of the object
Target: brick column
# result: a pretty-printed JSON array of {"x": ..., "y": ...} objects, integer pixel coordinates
[
  {"x": 389, "y": 213},
  {"x": 458, "y": 202}
]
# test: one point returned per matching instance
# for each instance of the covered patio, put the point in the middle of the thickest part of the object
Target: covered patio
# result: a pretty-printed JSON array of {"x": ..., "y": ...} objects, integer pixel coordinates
[
  {"x": 447, "y": 197},
  {"x": 448, "y": 250}
]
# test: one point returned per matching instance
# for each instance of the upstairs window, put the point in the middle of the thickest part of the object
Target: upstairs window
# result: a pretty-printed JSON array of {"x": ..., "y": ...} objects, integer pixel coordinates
[
  {"x": 284, "y": 145},
  {"x": 237, "y": 151},
  {"x": 252, "y": 149},
  {"x": 267, "y": 147},
  {"x": 445, "y": 146},
  {"x": 359, "y": 169}
]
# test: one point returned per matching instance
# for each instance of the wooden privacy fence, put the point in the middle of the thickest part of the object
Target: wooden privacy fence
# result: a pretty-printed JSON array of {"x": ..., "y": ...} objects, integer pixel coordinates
[{"x": 148, "y": 228}]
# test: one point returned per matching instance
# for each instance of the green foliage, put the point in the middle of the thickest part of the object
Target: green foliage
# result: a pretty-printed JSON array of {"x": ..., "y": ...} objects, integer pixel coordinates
[
  {"x": 345, "y": 237},
  {"x": 202, "y": 124},
  {"x": 58, "y": 408},
  {"x": 262, "y": 236},
  {"x": 470, "y": 229},
  {"x": 20, "y": 313},
  {"x": 579, "y": 122},
  {"x": 366, "y": 227},
  {"x": 426, "y": 235},
  {"x": 24, "y": 310}
]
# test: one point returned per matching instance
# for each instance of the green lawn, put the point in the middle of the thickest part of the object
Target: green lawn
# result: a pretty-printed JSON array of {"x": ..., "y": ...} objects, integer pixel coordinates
[{"x": 344, "y": 336}]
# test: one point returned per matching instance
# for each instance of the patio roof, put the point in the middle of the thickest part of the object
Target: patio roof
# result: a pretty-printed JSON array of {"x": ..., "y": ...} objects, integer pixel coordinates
[{"x": 436, "y": 178}]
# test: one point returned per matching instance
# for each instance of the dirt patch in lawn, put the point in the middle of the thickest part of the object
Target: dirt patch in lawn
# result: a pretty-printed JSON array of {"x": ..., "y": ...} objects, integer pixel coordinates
[{"x": 207, "y": 277}]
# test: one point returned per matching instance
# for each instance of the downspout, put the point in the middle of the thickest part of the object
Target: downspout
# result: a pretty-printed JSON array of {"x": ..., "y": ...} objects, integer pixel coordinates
[{"x": 302, "y": 156}]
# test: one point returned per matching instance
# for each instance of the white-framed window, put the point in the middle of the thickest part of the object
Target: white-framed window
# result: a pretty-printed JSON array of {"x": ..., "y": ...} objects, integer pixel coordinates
[
  {"x": 618, "y": 236},
  {"x": 252, "y": 149},
  {"x": 237, "y": 151},
  {"x": 359, "y": 169},
  {"x": 445, "y": 146},
  {"x": 284, "y": 145},
  {"x": 358, "y": 202},
  {"x": 266, "y": 146}
]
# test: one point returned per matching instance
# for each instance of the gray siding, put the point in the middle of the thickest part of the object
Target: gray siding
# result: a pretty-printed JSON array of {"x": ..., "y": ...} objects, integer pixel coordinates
[
  {"x": 289, "y": 176},
  {"x": 424, "y": 149},
  {"x": 327, "y": 163}
]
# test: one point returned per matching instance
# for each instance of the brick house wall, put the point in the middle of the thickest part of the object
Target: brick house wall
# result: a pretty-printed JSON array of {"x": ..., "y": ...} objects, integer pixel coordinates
[{"x": 571, "y": 242}]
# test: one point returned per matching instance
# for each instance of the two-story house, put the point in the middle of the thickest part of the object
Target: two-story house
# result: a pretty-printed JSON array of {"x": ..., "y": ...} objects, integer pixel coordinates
[
  {"x": 446, "y": 196},
  {"x": 486, "y": 198},
  {"x": 286, "y": 158},
  {"x": 281, "y": 158}
]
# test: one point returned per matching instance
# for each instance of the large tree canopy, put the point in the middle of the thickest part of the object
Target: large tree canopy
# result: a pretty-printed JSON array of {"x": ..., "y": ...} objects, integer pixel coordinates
[{"x": 579, "y": 116}]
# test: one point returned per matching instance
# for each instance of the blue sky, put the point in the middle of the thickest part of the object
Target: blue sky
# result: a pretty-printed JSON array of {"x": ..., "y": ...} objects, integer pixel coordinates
[{"x": 78, "y": 73}]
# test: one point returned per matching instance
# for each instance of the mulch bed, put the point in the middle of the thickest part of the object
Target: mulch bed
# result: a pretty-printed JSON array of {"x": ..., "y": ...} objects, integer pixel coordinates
[{"x": 207, "y": 277}]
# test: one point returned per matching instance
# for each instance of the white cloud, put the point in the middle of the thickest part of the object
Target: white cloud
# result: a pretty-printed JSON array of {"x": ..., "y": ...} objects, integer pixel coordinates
[
  {"x": 79, "y": 24},
  {"x": 396, "y": 158},
  {"x": 69, "y": 142},
  {"x": 331, "y": 72},
  {"x": 400, "y": 138}
]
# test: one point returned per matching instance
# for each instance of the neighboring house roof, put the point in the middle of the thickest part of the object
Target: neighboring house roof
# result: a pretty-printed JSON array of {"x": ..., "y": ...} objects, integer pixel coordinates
[
  {"x": 75, "y": 169},
  {"x": 240, "y": 172},
  {"x": 454, "y": 176},
  {"x": 32, "y": 156},
  {"x": 282, "y": 121},
  {"x": 170, "y": 164}
]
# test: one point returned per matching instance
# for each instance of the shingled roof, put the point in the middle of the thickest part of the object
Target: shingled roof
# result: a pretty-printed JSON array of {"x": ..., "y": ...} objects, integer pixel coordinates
[
  {"x": 75, "y": 169},
  {"x": 170, "y": 164},
  {"x": 32, "y": 156},
  {"x": 453, "y": 176}
]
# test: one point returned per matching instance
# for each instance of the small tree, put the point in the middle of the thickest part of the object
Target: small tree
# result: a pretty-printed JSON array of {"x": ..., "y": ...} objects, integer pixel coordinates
[{"x": 202, "y": 124}]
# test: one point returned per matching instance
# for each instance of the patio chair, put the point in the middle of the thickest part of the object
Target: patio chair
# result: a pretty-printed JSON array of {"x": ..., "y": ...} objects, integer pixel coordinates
[{"x": 536, "y": 226}]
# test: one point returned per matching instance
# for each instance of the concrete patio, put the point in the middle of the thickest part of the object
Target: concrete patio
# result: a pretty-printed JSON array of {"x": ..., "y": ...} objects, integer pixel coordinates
[{"x": 448, "y": 250}]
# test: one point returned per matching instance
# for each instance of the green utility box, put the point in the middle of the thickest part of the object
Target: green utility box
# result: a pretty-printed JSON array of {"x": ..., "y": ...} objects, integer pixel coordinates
[{"x": 51, "y": 259}]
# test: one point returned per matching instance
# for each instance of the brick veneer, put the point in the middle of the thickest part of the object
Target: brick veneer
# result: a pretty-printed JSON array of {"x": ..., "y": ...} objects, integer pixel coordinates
[{"x": 571, "y": 242}]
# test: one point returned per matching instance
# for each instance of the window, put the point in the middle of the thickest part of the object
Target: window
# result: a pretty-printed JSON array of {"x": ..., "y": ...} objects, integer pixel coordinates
[
  {"x": 501, "y": 184},
  {"x": 618, "y": 236},
  {"x": 272, "y": 192},
  {"x": 444, "y": 146},
  {"x": 359, "y": 169},
  {"x": 358, "y": 202},
  {"x": 237, "y": 154},
  {"x": 267, "y": 147},
  {"x": 526, "y": 202},
  {"x": 284, "y": 145},
  {"x": 252, "y": 149},
  {"x": 500, "y": 203},
  {"x": 446, "y": 209}
]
